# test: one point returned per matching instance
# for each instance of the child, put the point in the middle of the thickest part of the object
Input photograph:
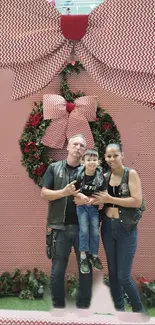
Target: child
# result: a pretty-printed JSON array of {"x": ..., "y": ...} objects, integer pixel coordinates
[{"x": 90, "y": 180}]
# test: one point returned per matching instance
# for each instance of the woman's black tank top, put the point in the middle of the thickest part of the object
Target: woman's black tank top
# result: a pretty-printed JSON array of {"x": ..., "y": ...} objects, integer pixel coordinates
[{"x": 113, "y": 191}]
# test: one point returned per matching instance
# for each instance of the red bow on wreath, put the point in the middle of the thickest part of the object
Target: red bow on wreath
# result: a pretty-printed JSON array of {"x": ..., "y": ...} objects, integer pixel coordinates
[
  {"x": 68, "y": 119},
  {"x": 113, "y": 42}
]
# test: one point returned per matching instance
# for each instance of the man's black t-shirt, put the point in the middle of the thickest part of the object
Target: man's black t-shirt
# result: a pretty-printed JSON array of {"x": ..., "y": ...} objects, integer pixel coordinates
[{"x": 71, "y": 216}]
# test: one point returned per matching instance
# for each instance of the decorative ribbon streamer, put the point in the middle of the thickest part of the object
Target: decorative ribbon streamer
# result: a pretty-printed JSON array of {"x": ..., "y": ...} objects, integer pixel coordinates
[
  {"x": 68, "y": 119},
  {"x": 114, "y": 46}
]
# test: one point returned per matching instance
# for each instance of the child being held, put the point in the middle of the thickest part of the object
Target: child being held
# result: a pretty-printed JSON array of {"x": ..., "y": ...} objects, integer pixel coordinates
[{"x": 90, "y": 180}]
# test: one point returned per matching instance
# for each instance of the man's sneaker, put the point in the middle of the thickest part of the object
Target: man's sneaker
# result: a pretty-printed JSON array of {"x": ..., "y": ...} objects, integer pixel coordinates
[
  {"x": 96, "y": 263},
  {"x": 84, "y": 266}
]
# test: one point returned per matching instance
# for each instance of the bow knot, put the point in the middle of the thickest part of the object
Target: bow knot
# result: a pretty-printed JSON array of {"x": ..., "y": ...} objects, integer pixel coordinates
[
  {"x": 70, "y": 107},
  {"x": 68, "y": 119}
]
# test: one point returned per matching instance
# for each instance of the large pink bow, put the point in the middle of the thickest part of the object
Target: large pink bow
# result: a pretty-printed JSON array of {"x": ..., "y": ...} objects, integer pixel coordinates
[
  {"x": 65, "y": 124},
  {"x": 116, "y": 49}
]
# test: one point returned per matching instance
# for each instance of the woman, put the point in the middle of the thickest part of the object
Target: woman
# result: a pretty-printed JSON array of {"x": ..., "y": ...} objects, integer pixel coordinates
[{"x": 119, "y": 226}]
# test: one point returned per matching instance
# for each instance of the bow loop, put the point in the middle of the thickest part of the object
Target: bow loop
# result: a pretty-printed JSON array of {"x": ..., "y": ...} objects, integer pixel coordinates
[
  {"x": 54, "y": 107},
  {"x": 64, "y": 124}
]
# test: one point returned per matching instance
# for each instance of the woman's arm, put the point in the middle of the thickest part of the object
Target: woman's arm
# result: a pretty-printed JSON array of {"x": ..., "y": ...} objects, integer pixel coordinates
[{"x": 131, "y": 202}]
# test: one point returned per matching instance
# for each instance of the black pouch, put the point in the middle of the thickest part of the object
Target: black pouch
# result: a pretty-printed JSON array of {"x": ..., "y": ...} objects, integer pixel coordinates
[{"x": 50, "y": 242}]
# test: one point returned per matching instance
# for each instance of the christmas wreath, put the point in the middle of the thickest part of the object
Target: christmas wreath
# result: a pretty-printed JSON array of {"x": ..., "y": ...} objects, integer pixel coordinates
[{"x": 35, "y": 155}]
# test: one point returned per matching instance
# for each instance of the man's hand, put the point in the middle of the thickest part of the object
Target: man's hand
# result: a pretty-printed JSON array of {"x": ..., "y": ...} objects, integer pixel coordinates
[
  {"x": 77, "y": 201},
  {"x": 84, "y": 198},
  {"x": 70, "y": 189}
]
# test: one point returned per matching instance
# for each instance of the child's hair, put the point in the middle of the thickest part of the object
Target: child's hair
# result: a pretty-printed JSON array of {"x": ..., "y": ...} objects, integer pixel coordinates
[{"x": 91, "y": 152}]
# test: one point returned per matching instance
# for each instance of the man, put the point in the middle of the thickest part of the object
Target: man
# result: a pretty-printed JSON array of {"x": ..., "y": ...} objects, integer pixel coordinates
[{"x": 58, "y": 188}]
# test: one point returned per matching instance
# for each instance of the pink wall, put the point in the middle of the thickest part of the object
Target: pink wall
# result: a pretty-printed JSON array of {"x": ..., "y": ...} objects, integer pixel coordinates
[{"x": 22, "y": 211}]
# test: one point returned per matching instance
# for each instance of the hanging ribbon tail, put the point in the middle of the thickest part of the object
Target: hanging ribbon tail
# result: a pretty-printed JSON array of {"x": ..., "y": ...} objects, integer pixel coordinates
[
  {"x": 78, "y": 124},
  {"x": 55, "y": 135}
]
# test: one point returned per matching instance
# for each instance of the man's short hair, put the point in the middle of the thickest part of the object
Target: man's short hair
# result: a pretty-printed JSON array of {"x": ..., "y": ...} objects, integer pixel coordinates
[{"x": 77, "y": 136}]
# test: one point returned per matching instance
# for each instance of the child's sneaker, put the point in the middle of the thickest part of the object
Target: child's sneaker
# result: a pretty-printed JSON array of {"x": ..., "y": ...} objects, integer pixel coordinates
[
  {"x": 84, "y": 266},
  {"x": 96, "y": 263}
]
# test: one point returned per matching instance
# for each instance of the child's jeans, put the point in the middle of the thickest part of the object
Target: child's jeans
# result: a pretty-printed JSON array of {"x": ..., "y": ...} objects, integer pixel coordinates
[{"x": 88, "y": 217}]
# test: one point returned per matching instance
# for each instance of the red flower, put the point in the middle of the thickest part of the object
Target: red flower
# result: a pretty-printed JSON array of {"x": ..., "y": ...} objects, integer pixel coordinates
[
  {"x": 106, "y": 126},
  {"x": 39, "y": 170},
  {"x": 26, "y": 149},
  {"x": 37, "y": 157},
  {"x": 34, "y": 120},
  {"x": 143, "y": 280},
  {"x": 30, "y": 146}
]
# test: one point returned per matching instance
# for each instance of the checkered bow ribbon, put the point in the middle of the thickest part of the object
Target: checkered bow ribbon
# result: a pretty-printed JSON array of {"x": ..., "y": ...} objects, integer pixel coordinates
[
  {"x": 116, "y": 49},
  {"x": 68, "y": 119}
]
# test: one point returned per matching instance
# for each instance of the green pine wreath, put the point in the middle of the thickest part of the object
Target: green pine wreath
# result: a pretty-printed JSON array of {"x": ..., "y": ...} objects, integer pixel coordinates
[{"x": 35, "y": 155}]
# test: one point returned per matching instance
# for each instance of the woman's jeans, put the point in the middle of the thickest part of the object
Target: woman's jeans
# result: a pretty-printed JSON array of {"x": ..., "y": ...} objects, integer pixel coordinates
[
  {"x": 88, "y": 218},
  {"x": 120, "y": 247}
]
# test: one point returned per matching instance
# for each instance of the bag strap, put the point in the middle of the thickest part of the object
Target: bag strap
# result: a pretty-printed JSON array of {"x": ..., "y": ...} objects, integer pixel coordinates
[{"x": 126, "y": 178}]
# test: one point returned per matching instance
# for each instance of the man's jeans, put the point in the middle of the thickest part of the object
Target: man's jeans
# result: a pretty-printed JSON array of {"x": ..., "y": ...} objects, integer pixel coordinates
[
  {"x": 88, "y": 218},
  {"x": 65, "y": 240},
  {"x": 120, "y": 247}
]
